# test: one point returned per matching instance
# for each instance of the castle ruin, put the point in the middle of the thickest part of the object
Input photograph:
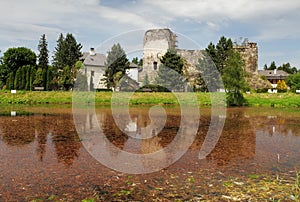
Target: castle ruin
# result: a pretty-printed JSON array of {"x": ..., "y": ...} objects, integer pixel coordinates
[
  {"x": 158, "y": 41},
  {"x": 156, "y": 44}
]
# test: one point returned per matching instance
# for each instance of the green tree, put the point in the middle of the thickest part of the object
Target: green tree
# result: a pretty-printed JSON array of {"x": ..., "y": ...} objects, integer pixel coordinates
[
  {"x": 73, "y": 50},
  {"x": 146, "y": 81},
  {"x": 140, "y": 64},
  {"x": 14, "y": 58},
  {"x": 135, "y": 60},
  {"x": 64, "y": 80},
  {"x": 10, "y": 81},
  {"x": 59, "y": 53},
  {"x": 68, "y": 75},
  {"x": 18, "y": 79},
  {"x": 293, "y": 81},
  {"x": 4, "y": 72},
  {"x": 287, "y": 68},
  {"x": 233, "y": 76},
  {"x": 49, "y": 78},
  {"x": 209, "y": 77},
  {"x": 32, "y": 78},
  {"x": 81, "y": 82},
  {"x": 43, "y": 57},
  {"x": 38, "y": 81},
  {"x": 170, "y": 72},
  {"x": 67, "y": 53},
  {"x": 28, "y": 72},
  {"x": 220, "y": 52},
  {"x": 116, "y": 62},
  {"x": 23, "y": 78},
  {"x": 271, "y": 67}
]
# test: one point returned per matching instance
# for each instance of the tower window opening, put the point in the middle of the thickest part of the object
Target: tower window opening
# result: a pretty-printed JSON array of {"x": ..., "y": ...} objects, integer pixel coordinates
[{"x": 155, "y": 65}]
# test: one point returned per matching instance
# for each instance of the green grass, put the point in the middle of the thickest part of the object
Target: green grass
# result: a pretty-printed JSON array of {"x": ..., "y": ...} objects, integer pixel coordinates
[
  {"x": 273, "y": 100},
  {"x": 105, "y": 98}
]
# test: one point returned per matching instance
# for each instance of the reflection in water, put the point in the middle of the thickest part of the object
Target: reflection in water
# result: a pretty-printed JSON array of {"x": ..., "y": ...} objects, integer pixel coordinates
[
  {"x": 23, "y": 130},
  {"x": 246, "y": 137},
  {"x": 17, "y": 131},
  {"x": 237, "y": 142},
  {"x": 43, "y": 154}
]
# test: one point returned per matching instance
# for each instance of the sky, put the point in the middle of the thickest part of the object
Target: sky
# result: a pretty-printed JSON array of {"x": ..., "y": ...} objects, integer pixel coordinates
[{"x": 272, "y": 24}]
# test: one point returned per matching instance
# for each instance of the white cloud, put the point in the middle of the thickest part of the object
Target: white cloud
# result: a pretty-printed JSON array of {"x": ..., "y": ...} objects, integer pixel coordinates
[
  {"x": 216, "y": 9},
  {"x": 204, "y": 20}
]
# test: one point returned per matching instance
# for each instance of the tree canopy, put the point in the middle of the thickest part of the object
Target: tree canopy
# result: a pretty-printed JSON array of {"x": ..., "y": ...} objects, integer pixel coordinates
[
  {"x": 14, "y": 58},
  {"x": 67, "y": 52},
  {"x": 116, "y": 65},
  {"x": 233, "y": 76},
  {"x": 285, "y": 67},
  {"x": 293, "y": 81},
  {"x": 230, "y": 65},
  {"x": 220, "y": 52},
  {"x": 209, "y": 77},
  {"x": 170, "y": 72},
  {"x": 43, "y": 56},
  {"x": 16, "y": 62}
]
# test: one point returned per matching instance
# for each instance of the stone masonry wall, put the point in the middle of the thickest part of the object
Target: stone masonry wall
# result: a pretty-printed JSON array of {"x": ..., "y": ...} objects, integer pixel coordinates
[
  {"x": 249, "y": 53},
  {"x": 156, "y": 44},
  {"x": 158, "y": 41}
]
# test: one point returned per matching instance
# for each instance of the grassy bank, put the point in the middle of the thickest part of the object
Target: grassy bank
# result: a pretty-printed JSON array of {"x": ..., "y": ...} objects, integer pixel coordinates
[
  {"x": 104, "y": 98},
  {"x": 273, "y": 100}
]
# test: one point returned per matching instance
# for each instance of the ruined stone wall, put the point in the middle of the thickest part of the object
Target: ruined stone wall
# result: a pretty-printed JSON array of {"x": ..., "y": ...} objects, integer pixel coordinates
[
  {"x": 191, "y": 60},
  {"x": 249, "y": 53},
  {"x": 158, "y": 41},
  {"x": 156, "y": 44},
  {"x": 191, "y": 56}
]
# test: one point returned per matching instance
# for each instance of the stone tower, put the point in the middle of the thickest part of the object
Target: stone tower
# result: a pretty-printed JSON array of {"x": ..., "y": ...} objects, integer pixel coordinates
[
  {"x": 249, "y": 53},
  {"x": 156, "y": 44}
]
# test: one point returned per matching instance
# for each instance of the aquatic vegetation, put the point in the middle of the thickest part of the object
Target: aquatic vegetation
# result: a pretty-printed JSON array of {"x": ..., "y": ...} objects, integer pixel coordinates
[{"x": 259, "y": 188}]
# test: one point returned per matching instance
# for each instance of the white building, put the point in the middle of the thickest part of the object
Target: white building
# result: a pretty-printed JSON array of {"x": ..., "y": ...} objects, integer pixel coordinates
[
  {"x": 133, "y": 71},
  {"x": 94, "y": 69}
]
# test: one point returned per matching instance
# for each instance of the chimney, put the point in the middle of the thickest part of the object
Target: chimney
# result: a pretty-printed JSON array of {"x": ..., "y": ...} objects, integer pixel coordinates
[
  {"x": 92, "y": 52},
  {"x": 275, "y": 71}
]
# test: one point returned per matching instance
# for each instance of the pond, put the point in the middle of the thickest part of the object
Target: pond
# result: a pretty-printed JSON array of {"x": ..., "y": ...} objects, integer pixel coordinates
[{"x": 42, "y": 157}]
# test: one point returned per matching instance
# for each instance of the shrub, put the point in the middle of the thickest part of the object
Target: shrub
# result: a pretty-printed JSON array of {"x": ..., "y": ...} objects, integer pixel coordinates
[
  {"x": 235, "y": 99},
  {"x": 281, "y": 86},
  {"x": 153, "y": 88},
  {"x": 262, "y": 90}
]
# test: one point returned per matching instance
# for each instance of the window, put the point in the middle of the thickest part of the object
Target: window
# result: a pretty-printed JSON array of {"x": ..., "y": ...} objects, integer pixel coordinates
[
  {"x": 92, "y": 73},
  {"x": 155, "y": 65}
]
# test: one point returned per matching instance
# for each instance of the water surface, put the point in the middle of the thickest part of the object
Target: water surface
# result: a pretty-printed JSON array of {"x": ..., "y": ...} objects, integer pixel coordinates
[{"x": 41, "y": 154}]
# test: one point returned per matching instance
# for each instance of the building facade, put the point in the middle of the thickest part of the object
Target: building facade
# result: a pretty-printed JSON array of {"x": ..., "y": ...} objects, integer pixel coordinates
[
  {"x": 273, "y": 76},
  {"x": 94, "y": 69}
]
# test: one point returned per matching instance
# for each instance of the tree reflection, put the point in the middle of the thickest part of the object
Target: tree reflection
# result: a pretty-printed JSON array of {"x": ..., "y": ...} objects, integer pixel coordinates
[
  {"x": 65, "y": 139},
  {"x": 237, "y": 142},
  {"x": 22, "y": 130},
  {"x": 17, "y": 131}
]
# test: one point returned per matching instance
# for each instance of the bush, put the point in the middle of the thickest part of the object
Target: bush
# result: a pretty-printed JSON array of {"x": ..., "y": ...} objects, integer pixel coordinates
[
  {"x": 103, "y": 90},
  {"x": 153, "y": 88},
  {"x": 281, "y": 86},
  {"x": 263, "y": 77},
  {"x": 262, "y": 90},
  {"x": 235, "y": 99},
  {"x": 293, "y": 81}
]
